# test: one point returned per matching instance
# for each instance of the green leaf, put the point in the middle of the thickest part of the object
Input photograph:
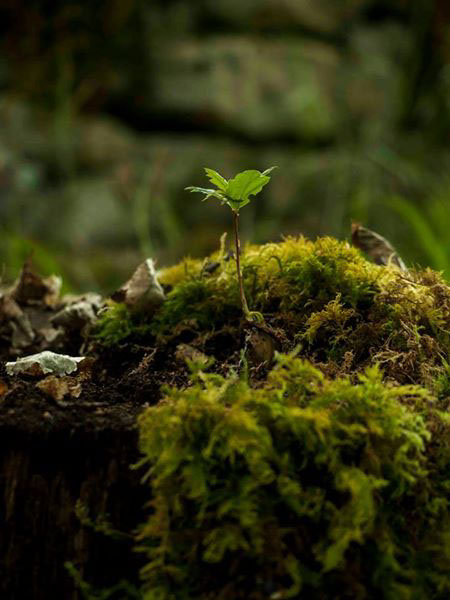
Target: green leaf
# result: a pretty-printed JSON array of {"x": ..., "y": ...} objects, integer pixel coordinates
[
  {"x": 208, "y": 192},
  {"x": 236, "y": 204},
  {"x": 216, "y": 179},
  {"x": 235, "y": 192},
  {"x": 269, "y": 170},
  {"x": 246, "y": 184}
]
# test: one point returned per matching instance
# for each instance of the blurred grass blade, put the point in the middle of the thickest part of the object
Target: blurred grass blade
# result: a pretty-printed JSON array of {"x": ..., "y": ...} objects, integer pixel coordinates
[{"x": 429, "y": 241}]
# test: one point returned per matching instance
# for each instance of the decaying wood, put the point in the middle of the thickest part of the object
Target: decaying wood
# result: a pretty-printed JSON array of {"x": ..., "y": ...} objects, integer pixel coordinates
[{"x": 42, "y": 476}]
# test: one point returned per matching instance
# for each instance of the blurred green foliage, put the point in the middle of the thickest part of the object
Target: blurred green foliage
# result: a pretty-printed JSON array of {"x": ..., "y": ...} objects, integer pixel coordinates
[
  {"x": 109, "y": 109},
  {"x": 16, "y": 250}
]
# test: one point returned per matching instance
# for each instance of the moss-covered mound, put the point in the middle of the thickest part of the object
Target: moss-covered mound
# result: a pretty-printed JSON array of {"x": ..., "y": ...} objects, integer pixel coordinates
[
  {"x": 328, "y": 476},
  {"x": 303, "y": 488},
  {"x": 343, "y": 311}
]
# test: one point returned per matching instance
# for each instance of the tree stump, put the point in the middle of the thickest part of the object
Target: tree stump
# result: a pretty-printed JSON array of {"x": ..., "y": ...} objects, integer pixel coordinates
[{"x": 44, "y": 471}]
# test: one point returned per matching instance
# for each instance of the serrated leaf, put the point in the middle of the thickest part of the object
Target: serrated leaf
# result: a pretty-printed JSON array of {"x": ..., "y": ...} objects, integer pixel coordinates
[
  {"x": 208, "y": 192},
  {"x": 246, "y": 184},
  {"x": 216, "y": 179},
  {"x": 235, "y": 192}
]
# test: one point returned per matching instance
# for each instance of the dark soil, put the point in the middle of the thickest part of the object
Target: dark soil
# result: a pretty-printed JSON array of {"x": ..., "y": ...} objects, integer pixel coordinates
[
  {"x": 118, "y": 384},
  {"x": 117, "y": 388}
]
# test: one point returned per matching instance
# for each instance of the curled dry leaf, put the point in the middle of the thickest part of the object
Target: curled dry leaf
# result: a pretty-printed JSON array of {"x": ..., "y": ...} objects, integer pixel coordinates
[
  {"x": 25, "y": 311},
  {"x": 376, "y": 247},
  {"x": 78, "y": 313},
  {"x": 142, "y": 292},
  {"x": 9, "y": 309}
]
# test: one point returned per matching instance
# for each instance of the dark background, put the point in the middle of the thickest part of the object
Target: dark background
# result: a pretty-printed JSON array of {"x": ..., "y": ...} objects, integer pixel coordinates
[{"x": 109, "y": 109}]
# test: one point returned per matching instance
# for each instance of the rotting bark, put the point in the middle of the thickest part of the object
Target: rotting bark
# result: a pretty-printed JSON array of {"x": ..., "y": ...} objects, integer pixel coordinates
[
  {"x": 41, "y": 477},
  {"x": 74, "y": 440}
]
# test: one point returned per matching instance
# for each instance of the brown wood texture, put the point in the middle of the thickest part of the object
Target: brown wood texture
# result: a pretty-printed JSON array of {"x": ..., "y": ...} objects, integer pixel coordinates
[{"x": 41, "y": 479}]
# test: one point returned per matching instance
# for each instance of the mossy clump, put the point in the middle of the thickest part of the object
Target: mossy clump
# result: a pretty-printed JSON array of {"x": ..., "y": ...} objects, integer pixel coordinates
[
  {"x": 280, "y": 278},
  {"x": 306, "y": 487},
  {"x": 117, "y": 324},
  {"x": 342, "y": 310}
]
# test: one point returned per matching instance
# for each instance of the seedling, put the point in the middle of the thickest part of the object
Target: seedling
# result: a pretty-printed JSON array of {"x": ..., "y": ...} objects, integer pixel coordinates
[{"x": 236, "y": 194}]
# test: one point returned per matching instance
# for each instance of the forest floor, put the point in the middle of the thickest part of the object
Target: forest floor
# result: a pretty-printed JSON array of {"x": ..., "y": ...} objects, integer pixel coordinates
[{"x": 112, "y": 385}]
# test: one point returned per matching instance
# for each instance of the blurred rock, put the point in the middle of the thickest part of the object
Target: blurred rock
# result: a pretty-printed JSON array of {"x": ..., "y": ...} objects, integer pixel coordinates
[
  {"x": 20, "y": 129},
  {"x": 371, "y": 76},
  {"x": 103, "y": 141},
  {"x": 336, "y": 93},
  {"x": 95, "y": 213},
  {"x": 319, "y": 15},
  {"x": 260, "y": 87}
]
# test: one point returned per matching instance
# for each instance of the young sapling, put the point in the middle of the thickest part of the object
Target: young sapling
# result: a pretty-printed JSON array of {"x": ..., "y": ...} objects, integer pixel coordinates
[{"x": 236, "y": 194}]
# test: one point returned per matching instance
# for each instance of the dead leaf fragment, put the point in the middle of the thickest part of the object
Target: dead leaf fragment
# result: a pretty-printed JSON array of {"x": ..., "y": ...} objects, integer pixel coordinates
[
  {"x": 22, "y": 331},
  {"x": 9, "y": 309},
  {"x": 76, "y": 315},
  {"x": 261, "y": 346},
  {"x": 185, "y": 352},
  {"x": 44, "y": 362},
  {"x": 3, "y": 388},
  {"x": 30, "y": 288},
  {"x": 142, "y": 292},
  {"x": 58, "y": 387}
]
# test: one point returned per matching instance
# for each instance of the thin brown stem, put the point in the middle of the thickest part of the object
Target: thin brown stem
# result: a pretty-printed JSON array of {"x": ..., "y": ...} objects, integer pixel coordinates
[{"x": 237, "y": 242}]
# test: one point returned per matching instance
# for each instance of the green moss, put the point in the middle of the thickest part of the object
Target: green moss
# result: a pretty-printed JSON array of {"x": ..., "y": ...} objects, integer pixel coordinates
[
  {"x": 304, "y": 488},
  {"x": 343, "y": 310},
  {"x": 187, "y": 268},
  {"x": 117, "y": 324},
  {"x": 331, "y": 478},
  {"x": 281, "y": 277}
]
